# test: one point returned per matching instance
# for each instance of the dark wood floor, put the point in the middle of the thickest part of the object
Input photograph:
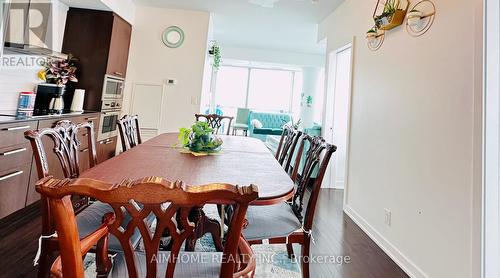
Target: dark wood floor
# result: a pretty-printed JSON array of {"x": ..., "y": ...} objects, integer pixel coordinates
[{"x": 334, "y": 232}]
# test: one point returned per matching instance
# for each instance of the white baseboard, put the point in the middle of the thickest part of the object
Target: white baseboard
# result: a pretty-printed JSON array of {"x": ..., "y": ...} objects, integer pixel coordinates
[{"x": 399, "y": 258}]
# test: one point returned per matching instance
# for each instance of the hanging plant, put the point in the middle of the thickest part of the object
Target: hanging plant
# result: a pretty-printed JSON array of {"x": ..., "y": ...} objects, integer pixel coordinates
[{"x": 214, "y": 51}]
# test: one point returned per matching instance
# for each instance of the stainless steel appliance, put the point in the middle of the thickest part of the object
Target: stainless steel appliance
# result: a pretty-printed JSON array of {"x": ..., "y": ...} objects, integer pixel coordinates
[
  {"x": 48, "y": 100},
  {"x": 113, "y": 87},
  {"x": 110, "y": 114}
]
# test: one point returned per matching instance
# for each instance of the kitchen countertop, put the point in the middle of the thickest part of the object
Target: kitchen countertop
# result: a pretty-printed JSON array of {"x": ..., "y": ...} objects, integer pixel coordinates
[{"x": 7, "y": 117}]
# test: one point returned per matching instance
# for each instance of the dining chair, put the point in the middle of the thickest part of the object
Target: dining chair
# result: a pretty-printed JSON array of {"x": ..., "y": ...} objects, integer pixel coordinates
[
  {"x": 287, "y": 145},
  {"x": 171, "y": 202},
  {"x": 241, "y": 122},
  {"x": 130, "y": 134},
  {"x": 288, "y": 222},
  {"x": 216, "y": 122},
  {"x": 66, "y": 146}
]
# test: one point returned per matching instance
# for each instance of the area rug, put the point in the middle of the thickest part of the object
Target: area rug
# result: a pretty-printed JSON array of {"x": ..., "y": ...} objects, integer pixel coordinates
[{"x": 272, "y": 260}]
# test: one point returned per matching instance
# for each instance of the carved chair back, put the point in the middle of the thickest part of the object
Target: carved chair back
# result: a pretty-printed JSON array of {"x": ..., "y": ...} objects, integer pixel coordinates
[
  {"x": 67, "y": 148},
  {"x": 216, "y": 122},
  {"x": 317, "y": 156},
  {"x": 170, "y": 202},
  {"x": 130, "y": 133},
  {"x": 287, "y": 146}
]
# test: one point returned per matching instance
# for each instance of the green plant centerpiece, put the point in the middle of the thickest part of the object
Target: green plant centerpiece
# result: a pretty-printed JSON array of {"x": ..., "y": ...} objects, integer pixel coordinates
[{"x": 199, "y": 138}]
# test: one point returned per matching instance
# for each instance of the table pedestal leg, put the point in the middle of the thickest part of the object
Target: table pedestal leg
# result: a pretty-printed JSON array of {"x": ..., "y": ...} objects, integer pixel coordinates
[{"x": 203, "y": 225}]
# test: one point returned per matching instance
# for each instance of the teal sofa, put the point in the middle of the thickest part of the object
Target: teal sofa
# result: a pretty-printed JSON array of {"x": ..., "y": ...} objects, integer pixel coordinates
[{"x": 272, "y": 124}]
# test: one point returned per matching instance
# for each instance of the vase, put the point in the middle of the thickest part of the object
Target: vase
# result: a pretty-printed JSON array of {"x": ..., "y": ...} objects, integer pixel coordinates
[{"x": 414, "y": 18}]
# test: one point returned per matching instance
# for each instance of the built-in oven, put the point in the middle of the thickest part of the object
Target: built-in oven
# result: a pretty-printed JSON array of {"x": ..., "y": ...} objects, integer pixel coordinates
[
  {"x": 110, "y": 115},
  {"x": 113, "y": 87}
]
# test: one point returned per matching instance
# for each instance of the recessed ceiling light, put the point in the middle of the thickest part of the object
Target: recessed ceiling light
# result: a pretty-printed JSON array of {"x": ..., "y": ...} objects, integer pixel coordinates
[{"x": 263, "y": 3}]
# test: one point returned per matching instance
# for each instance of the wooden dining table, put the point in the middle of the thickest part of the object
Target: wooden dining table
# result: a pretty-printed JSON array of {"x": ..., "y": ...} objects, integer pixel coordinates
[{"x": 241, "y": 161}]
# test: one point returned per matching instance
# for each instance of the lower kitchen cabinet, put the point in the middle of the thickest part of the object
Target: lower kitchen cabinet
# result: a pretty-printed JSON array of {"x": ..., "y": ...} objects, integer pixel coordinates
[
  {"x": 32, "y": 196},
  {"x": 13, "y": 188},
  {"x": 18, "y": 170},
  {"x": 106, "y": 149}
]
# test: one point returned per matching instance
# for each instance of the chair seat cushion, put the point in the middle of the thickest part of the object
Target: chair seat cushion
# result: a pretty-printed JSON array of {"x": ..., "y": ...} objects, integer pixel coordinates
[
  {"x": 240, "y": 126},
  {"x": 91, "y": 218},
  {"x": 265, "y": 222},
  {"x": 189, "y": 264},
  {"x": 268, "y": 131}
]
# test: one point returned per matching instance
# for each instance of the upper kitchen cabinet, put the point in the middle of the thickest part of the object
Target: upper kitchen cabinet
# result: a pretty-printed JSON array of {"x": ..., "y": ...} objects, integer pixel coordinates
[
  {"x": 100, "y": 40},
  {"x": 119, "y": 47}
]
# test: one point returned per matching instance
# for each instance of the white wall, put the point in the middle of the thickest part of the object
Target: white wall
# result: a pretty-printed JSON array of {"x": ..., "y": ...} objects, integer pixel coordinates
[
  {"x": 415, "y": 136},
  {"x": 15, "y": 79},
  {"x": 151, "y": 62}
]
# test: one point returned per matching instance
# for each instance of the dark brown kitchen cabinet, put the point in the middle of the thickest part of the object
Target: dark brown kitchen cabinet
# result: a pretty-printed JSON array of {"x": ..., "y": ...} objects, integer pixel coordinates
[
  {"x": 15, "y": 166},
  {"x": 119, "y": 47},
  {"x": 106, "y": 149},
  {"x": 18, "y": 171},
  {"x": 53, "y": 161},
  {"x": 32, "y": 196},
  {"x": 13, "y": 188},
  {"x": 100, "y": 40}
]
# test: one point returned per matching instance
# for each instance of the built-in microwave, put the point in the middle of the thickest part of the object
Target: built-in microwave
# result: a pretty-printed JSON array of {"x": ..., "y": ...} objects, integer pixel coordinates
[{"x": 113, "y": 87}]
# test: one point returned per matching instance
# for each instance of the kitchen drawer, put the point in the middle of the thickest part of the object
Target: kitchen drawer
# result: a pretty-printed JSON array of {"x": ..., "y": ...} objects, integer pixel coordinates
[
  {"x": 13, "y": 188},
  {"x": 13, "y": 134},
  {"x": 84, "y": 159},
  {"x": 15, "y": 155},
  {"x": 94, "y": 118},
  {"x": 82, "y": 136}
]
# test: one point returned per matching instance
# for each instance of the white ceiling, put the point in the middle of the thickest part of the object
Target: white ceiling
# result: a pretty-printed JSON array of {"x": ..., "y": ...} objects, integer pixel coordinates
[
  {"x": 290, "y": 25},
  {"x": 86, "y": 4}
]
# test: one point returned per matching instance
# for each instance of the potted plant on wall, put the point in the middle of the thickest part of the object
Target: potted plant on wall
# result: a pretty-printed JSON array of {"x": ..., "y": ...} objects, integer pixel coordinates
[
  {"x": 392, "y": 14},
  {"x": 215, "y": 52},
  {"x": 371, "y": 34},
  {"x": 385, "y": 18}
]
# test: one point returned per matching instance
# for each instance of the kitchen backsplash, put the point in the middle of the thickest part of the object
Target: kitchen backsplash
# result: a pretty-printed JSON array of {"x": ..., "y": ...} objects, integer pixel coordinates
[
  {"x": 12, "y": 82},
  {"x": 16, "y": 79}
]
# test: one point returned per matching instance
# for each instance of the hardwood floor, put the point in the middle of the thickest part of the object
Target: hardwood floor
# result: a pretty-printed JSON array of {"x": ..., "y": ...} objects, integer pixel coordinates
[{"x": 335, "y": 234}]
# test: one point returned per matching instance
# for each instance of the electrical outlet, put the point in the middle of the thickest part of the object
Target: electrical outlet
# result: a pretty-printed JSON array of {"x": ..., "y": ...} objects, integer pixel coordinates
[{"x": 388, "y": 216}]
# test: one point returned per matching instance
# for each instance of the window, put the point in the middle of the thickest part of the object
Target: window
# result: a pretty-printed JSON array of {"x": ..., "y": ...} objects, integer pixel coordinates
[
  {"x": 231, "y": 87},
  {"x": 270, "y": 90},
  {"x": 259, "y": 89}
]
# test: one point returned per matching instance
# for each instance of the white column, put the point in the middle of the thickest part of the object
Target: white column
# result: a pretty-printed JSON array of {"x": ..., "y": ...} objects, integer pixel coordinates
[{"x": 309, "y": 92}]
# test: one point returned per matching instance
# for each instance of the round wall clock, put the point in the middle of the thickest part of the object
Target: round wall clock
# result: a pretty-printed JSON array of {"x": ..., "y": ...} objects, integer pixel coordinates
[{"x": 173, "y": 37}]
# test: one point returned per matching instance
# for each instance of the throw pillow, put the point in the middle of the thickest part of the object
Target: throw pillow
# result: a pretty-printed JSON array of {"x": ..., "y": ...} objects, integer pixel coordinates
[{"x": 256, "y": 123}]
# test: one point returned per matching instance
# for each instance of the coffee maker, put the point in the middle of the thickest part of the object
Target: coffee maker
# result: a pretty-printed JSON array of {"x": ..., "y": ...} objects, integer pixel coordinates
[{"x": 49, "y": 99}]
